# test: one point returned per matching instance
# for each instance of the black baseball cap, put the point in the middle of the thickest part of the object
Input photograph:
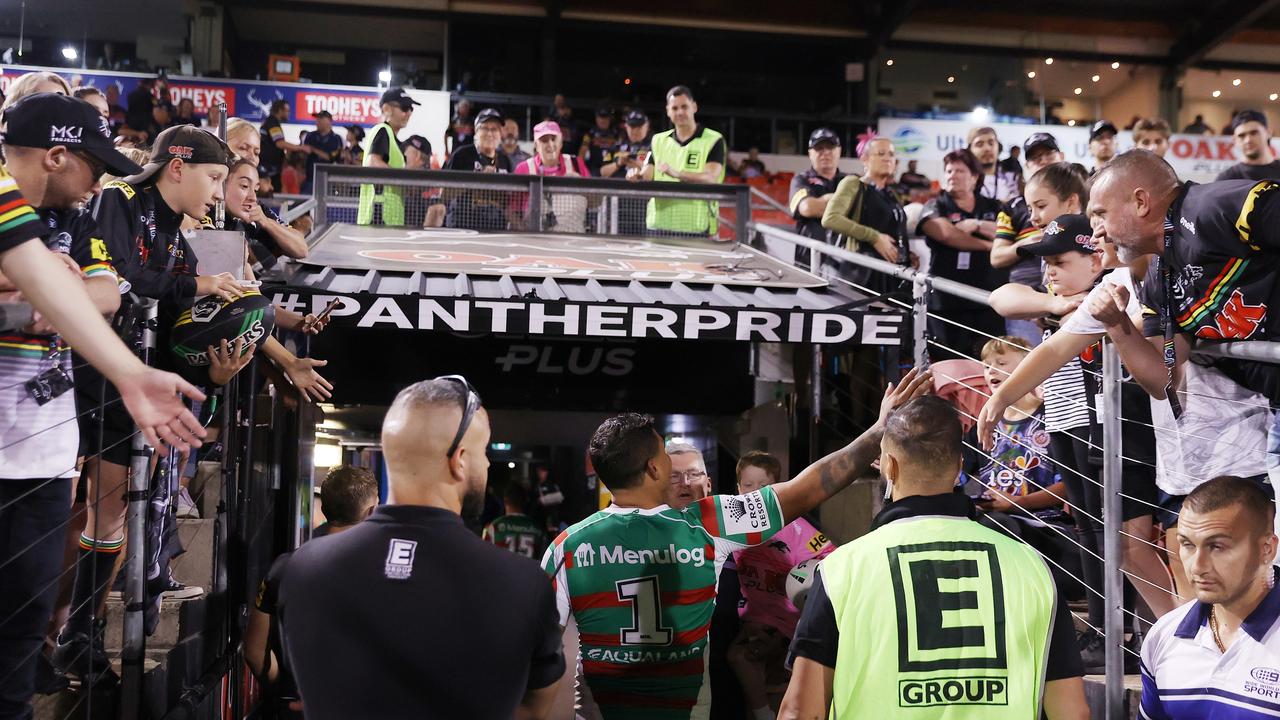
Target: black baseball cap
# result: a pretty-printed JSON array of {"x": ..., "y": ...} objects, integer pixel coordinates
[
  {"x": 418, "y": 142},
  {"x": 604, "y": 112},
  {"x": 635, "y": 118},
  {"x": 1245, "y": 116},
  {"x": 1040, "y": 142},
  {"x": 1102, "y": 126},
  {"x": 1065, "y": 234},
  {"x": 397, "y": 96},
  {"x": 46, "y": 120},
  {"x": 323, "y": 114},
  {"x": 359, "y": 131},
  {"x": 823, "y": 135},
  {"x": 187, "y": 143},
  {"x": 488, "y": 114}
]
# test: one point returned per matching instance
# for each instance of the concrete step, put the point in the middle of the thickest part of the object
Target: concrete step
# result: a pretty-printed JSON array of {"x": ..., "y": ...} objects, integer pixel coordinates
[
  {"x": 179, "y": 619},
  {"x": 1095, "y": 691},
  {"x": 195, "y": 566},
  {"x": 103, "y": 703}
]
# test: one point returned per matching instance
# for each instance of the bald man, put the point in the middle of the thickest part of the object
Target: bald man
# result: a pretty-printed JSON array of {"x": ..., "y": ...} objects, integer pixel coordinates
[
  {"x": 1215, "y": 276},
  {"x": 436, "y": 622}
]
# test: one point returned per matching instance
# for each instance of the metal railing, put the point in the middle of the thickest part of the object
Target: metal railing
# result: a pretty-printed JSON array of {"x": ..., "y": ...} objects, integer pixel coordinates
[
  {"x": 1112, "y": 378},
  {"x": 530, "y": 203}
]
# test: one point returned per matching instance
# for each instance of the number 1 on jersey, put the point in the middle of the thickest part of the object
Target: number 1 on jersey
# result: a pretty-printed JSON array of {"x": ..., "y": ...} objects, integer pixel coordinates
[{"x": 646, "y": 612}]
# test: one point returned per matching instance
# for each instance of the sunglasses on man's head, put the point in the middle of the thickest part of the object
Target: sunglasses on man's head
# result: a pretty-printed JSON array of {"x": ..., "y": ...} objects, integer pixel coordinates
[{"x": 469, "y": 408}]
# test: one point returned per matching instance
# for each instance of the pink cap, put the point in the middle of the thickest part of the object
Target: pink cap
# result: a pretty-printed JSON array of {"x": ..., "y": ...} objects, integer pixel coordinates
[{"x": 547, "y": 127}]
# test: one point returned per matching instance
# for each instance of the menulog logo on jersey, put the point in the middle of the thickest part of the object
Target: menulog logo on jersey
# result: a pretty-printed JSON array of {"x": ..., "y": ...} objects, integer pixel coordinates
[
  {"x": 587, "y": 555},
  {"x": 744, "y": 513}
]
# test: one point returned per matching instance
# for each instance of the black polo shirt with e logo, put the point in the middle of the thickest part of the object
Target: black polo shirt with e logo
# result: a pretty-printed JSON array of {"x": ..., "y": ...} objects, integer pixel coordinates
[{"x": 410, "y": 615}]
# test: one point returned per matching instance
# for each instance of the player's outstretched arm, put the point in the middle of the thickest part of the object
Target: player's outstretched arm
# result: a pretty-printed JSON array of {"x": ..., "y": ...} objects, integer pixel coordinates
[
  {"x": 838, "y": 470},
  {"x": 809, "y": 692}
]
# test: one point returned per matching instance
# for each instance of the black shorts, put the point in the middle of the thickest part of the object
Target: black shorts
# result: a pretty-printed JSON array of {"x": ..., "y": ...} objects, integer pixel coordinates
[
  {"x": 1137, "y": 482},
  {"x": 106, "y": 428}
]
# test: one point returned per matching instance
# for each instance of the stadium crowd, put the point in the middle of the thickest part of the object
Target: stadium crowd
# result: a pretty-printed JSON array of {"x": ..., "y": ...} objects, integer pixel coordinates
[{"x": 1122, "y": 251}]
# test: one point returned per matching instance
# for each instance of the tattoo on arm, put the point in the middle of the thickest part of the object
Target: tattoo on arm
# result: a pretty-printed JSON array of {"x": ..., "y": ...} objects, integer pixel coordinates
[{"x": 841, "y": 468}]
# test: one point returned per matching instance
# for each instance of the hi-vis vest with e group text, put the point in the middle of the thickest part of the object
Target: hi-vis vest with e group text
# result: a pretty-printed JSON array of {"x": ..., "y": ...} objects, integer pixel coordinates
[
  {"x": 939, "y": 618},
  {"x": 683, "y": 216},
  {"x": 390, "y": 197}
]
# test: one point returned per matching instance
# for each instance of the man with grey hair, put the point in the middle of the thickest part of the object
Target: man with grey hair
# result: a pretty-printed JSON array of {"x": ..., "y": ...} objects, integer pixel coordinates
[
  {"x": 1214, "y": 277},
  {"x": 689, "y": 479},
  {"x": 419, "y": 623}
]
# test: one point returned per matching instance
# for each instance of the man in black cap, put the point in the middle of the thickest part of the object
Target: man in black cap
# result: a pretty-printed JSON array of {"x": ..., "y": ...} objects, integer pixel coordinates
[
  {"x": 471, "y": 209},
  {"x": 274, "y": 144},
  {"x": 1102, "y": 144},
  {"x": 325, "y": 145},
  {"x": 811, "y": 190},
  {"x": 624, "y": 161},
  {"x": 1253, "y": 142},
  {"x": 55, "y": 147},
  {"x": 597, "y": 141},
  {"x": 384, "y": 150}
]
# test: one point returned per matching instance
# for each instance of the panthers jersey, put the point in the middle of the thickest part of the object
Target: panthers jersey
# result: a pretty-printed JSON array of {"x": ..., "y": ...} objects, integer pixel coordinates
[{"x": 641, "y": 585}]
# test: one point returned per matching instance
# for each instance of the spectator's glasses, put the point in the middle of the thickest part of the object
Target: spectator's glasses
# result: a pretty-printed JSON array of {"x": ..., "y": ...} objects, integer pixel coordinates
[
  {"x": 688, "y": 477},
  {"x": 469, "y": 408},
  {"x": 96, "y": 166}
]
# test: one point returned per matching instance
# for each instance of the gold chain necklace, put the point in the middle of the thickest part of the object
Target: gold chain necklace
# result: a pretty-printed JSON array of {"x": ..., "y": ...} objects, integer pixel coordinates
[{"x": 1213, "y": 625}]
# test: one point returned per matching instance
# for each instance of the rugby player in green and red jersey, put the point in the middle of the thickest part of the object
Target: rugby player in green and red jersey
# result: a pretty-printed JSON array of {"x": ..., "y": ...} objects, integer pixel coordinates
[{"x": 639, "y": 577}]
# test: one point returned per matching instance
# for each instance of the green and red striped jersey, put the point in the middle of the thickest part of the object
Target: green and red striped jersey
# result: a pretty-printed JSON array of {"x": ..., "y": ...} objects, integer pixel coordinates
[
  {"x": 641, "y": 585},
  {"x": 517, "y": 533}
]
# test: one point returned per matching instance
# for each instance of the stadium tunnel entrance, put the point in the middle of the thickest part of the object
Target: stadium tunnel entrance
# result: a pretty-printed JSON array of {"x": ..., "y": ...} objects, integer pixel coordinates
[{"x": 558, "y": 334}]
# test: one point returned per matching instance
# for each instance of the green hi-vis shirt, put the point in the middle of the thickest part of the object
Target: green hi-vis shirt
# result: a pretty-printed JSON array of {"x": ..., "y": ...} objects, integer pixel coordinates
[
  {"x": 685, "y": 216},
  {"x": 391, "y": 198},
  {"x": 641, "y": 585},
  {"x": 939, "y": 618},
  {"x": 517, "y": 533}
]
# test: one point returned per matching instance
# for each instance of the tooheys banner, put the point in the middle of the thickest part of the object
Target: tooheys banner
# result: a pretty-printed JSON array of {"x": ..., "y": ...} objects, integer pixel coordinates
[
  {"x": 248, "y": 99},
  {"x": 534, "y": 317},
  {"x": 1193, "y": 157}
]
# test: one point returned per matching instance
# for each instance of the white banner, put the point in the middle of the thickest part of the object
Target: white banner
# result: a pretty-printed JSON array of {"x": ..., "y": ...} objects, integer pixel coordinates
[{"x": 1194, "y": 157}]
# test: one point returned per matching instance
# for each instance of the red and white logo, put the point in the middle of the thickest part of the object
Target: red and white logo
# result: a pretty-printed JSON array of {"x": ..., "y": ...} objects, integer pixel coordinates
[
  {"x": 345, "y": 107},
  {"x": 1237, "y": 320},
  {"x": 181, "y": 151},
  {"x": 204, "y": 97}
]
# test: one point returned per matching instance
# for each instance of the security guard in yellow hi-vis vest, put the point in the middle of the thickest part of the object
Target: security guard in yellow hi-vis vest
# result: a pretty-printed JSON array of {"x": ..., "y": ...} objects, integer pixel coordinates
[
  {"x": 931, "y": 614},
  {"x": 690, "y": 153},
  {"x": 383, "y": 150}
]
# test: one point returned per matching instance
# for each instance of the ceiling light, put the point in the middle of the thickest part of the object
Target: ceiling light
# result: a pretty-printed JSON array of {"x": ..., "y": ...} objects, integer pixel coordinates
[
  {"x": 981, "y": 113},
  {"x": 1031, "y": 74},
  {"x": 70, "y": 53},
  {"x": 1078, "y": 90},
  {"x": 1096, "y": 78},
  {"x": 1115, "y": 66},
  {"x": 951, "y": 78},
  {"x": 889, "y": 62},
  {"x": 1273, "y": 96},
  {"x": 384, "y": 76},
  {"x": 1048, "y": 61},
  {"x": 1236, "y": 82},
  {"x": 1071, "y": 123},
  {"x": 511, "y": 466},
  {"x": 326, "y": 455},
  {"x": 1217, "y": 93}
]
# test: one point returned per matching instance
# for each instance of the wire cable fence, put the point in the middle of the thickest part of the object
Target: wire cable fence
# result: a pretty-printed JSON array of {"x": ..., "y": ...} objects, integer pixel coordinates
[{"x": 1186, "y": 451}]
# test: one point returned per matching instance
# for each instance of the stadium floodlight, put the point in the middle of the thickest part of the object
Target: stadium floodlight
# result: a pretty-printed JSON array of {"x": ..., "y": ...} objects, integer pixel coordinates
[
  {"x": 384, "y": 77},
  {"x": 70, "y": 53},
  {"x": 1115, "y": 66},
  {"x": 1217, "y": 93},
  {"x": 1078, "y": 90},
  {"x": 1048, "y": 61},
  {"x": 1273, "y": 96},
  {"x": 1031, "y": 75},
  {"x": 1236, "y": 82}
]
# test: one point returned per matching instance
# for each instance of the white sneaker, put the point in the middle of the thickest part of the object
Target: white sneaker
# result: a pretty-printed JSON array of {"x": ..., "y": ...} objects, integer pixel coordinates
[
  {"x": 185, "y": 592},
  {"x": 187, "y": 509}
]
